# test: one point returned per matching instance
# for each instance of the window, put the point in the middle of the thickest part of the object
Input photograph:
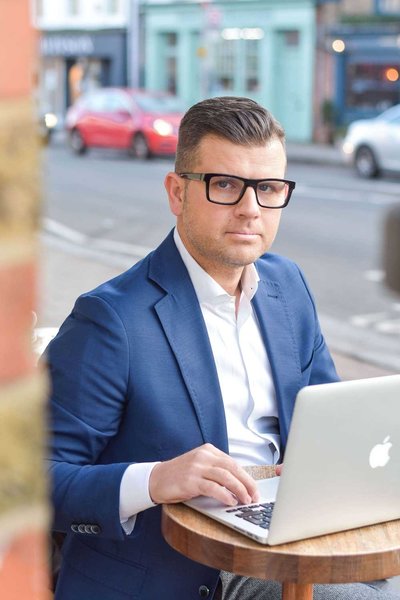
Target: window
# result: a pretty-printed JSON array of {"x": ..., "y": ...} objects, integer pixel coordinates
[
  {"x": 39, "y": 8},
  {"x": 225, "y": 65},
  {"x": 73, "y": 7},
  {"x": 252, "y": 66},
  {"x": 237, "y": 61},
  {"x": 112, "y": 7},
  {"x": 170, "y": 42},
  {"x": 372, "y": 86}
]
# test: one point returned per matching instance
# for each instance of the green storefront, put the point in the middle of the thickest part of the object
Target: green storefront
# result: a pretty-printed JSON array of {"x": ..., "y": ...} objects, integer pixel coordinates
[{"x": 263, "y": 49}]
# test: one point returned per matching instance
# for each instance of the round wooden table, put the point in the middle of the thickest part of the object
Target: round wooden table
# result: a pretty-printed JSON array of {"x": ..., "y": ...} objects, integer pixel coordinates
[{"x": 363, "y": 554}]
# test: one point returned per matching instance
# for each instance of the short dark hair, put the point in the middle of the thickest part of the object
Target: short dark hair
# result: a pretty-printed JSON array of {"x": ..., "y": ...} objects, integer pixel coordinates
[{"x": 239, "y": 120}]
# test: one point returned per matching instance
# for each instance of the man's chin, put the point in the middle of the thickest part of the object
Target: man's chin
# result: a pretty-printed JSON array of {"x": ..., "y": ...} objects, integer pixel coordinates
[{"x": 242, "y": 259}]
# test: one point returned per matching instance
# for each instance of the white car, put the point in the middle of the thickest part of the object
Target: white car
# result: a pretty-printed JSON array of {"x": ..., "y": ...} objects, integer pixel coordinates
[{"x": 373, "y": 145}]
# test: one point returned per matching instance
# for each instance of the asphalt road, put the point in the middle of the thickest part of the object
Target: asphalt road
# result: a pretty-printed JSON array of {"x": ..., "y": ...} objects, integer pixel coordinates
[{"x": 112, "y": 209}]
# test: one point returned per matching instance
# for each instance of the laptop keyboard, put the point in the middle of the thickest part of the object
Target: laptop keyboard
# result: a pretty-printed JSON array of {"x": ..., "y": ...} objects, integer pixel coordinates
[{"x": 258, "y": 514}]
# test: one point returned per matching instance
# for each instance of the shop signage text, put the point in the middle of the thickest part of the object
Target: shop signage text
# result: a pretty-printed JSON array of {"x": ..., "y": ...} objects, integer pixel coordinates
[{"x": 67, "y": 45}]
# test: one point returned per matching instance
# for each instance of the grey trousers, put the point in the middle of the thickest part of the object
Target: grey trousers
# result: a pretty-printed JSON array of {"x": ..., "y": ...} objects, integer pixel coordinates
[{"x": 235, "y": 587}]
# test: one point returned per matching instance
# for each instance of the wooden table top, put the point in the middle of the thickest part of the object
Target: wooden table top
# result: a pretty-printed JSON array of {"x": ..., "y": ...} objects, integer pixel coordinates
[{"x": 362, "y": 554}]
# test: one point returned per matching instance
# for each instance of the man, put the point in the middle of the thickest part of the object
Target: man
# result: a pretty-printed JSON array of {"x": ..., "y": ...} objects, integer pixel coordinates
[{"x": 171, "y": 377}]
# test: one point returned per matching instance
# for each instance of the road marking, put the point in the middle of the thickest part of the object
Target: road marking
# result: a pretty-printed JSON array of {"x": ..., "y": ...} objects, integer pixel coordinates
[
  {"x": 382, "y": 322},
  {"x": 375, "y": 275},
  {"x": 346, "y": 195},
  {"x": 368, "y": 319},
  {"x": 77, "y": 238},
  {"x": 64, "y": 232},
  {"x": 391, "y": 326}
]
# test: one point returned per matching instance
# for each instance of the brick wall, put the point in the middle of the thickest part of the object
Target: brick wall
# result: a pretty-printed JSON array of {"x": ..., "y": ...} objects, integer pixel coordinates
[{"x": 24, "y": 513}]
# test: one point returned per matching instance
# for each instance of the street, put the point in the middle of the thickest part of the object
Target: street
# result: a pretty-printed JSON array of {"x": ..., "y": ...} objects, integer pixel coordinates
[{"x": 104, "y": 211}]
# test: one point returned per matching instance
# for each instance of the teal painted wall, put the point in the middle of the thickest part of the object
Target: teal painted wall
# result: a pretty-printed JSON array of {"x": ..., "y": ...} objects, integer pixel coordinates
[{"x": 185, "y": 52}]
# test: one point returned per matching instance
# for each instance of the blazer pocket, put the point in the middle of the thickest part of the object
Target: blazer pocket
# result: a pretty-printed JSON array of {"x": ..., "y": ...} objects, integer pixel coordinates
[
  {"x": 107, "y": 570},
  {"x": 306, "y": 370}
]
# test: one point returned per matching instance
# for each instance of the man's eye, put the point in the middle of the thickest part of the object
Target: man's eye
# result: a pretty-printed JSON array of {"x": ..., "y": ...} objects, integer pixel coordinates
[
  {"x": 265, "y": 187},
  {"x": 224, "y": 184}
]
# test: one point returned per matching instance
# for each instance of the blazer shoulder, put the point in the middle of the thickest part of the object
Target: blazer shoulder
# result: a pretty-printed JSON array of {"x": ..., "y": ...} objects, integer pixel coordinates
[
  {"x": 120, "y": 289},
  {"x": 275, "y": 267}
]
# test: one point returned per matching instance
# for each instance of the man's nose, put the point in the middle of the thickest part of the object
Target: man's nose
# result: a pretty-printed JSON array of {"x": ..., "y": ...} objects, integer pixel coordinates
[{"x": 248, "y": 204}]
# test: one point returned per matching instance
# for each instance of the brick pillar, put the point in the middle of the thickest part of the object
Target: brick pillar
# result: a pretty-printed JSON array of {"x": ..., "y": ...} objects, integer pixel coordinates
[{"x": 24, "y": 514}]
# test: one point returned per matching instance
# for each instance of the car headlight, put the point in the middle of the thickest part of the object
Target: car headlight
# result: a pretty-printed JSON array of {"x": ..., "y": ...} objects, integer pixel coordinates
[
  {"x": 51, "y": 120},
  {"x": 162, "y": 127},
  {"x": 348, "y": 148}
]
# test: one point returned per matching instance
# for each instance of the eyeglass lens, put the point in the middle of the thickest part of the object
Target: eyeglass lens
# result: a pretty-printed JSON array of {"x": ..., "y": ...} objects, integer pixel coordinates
[{"x": 270, "y": 193}]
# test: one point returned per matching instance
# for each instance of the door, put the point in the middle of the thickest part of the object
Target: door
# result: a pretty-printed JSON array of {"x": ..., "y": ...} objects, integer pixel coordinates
[{"x": 289, "y": 105}]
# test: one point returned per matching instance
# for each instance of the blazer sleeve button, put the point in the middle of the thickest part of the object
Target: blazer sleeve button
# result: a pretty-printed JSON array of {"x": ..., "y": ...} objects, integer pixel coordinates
[
  {"x": 96, "y": 529},
  {"x": 74, "y": 527},
  {"x": 204, "y": 592},
  {"x": 88, "y": 529},
  {"x": 81, "y": 528}
]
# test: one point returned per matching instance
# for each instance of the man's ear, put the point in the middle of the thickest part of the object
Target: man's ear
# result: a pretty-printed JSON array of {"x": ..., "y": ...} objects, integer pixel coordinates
[{"x": 175, "y": 187}]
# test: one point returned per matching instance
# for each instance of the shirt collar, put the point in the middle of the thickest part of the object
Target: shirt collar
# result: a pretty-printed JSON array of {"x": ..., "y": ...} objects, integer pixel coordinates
[{"x": 206, "y": 288}]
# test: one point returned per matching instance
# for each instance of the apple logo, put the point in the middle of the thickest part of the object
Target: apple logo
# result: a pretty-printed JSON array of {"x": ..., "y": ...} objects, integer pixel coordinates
[{"x": 379, "y": 455}]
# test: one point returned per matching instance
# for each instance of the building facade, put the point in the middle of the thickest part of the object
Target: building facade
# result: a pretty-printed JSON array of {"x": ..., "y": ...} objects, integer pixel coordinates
[
  {"x": 83, "y": 45},
  {"x": 365, "y": 45},
  {"x": 263, "y": 49}
]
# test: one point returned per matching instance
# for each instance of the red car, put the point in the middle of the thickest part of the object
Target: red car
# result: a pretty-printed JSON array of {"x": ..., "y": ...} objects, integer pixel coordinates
[{"x": 145, "y": 123}]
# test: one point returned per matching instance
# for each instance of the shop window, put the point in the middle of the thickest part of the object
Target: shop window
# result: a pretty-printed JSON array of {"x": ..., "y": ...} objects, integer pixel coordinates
[
  {"x": 372, "y": 86},
  {"x": 84, "y": 75}
]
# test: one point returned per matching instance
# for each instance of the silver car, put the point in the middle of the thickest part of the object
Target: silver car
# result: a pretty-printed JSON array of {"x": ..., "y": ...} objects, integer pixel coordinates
[{"x": 373, "y": 145}]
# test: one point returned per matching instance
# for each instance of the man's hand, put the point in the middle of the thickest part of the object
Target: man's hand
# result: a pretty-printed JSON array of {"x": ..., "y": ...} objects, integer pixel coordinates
[{"x": 204, "y": 471}]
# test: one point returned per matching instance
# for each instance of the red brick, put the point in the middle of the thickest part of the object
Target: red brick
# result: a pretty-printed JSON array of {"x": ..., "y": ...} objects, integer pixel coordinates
[
  {"x": 23, "y": 568},
  {"x": 17, "y": 48},
  {"x": 17, "y": 301}
]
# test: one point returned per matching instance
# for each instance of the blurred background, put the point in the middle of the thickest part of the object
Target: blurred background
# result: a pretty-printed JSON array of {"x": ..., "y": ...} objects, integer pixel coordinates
[{"x": 114, "y": 78}]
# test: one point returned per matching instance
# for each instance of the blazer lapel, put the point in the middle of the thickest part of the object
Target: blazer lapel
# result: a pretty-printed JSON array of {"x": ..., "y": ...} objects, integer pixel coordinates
[
  {"x": 181, "y": 319},
  {"x": 276, "y": 329}
]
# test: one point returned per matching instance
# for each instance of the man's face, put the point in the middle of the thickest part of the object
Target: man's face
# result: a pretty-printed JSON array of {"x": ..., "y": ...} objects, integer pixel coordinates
[{"x": 226, "y": 238}]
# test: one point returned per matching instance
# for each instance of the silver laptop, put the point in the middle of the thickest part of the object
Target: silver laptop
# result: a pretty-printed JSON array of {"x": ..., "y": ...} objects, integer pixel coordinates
[{"x": 341, "y": 466}]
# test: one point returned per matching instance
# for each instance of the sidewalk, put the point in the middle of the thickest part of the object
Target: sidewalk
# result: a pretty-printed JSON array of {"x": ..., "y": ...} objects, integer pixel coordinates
[
  {"x": 323, "y": 154},
  {"x": 314, "y": 154}
]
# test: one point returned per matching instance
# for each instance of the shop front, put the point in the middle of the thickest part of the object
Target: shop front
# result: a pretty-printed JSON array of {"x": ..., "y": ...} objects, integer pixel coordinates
[
  {"x": 72, "y": 63},
  {"x": 367, "y": 64},
  {"x": 263, "y": 49}
]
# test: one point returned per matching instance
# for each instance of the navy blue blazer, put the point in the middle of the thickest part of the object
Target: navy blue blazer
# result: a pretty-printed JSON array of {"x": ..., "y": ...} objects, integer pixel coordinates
[{"x": 133, "y": 380}]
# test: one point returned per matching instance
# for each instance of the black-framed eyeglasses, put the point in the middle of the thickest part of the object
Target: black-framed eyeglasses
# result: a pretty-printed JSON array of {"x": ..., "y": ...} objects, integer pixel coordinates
[{"x": 230, "y": 189}]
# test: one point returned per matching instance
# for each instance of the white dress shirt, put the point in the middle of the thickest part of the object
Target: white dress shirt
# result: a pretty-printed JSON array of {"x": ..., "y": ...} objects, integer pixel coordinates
[{"x": 245, "y": 380}]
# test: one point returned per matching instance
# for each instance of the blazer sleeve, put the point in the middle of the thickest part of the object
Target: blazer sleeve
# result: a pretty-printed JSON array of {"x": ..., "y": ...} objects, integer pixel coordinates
[
  {"x": 89, "y": 367},
  {"x": 321, "y": 366}
]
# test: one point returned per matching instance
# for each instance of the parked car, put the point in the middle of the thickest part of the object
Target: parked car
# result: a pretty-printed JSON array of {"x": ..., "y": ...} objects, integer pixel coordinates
[
  {"x": 373, "y": 145},
  {"x": 145, "y": 123}
]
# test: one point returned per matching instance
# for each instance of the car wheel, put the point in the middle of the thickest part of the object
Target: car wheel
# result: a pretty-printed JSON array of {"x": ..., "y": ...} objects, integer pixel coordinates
[
  {"x": 365, "y": 163},
  {"x": 140, "y": 148},
  {"x": 76, "y": 142}
]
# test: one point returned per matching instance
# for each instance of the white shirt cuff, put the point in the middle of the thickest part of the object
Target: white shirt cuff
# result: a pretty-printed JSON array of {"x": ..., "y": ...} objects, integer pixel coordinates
[{"x": 134, "y": 493}]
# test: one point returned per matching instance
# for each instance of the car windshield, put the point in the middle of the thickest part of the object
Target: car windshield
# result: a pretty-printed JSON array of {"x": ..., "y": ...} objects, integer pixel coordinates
[{"x": 159, "y": 104}]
